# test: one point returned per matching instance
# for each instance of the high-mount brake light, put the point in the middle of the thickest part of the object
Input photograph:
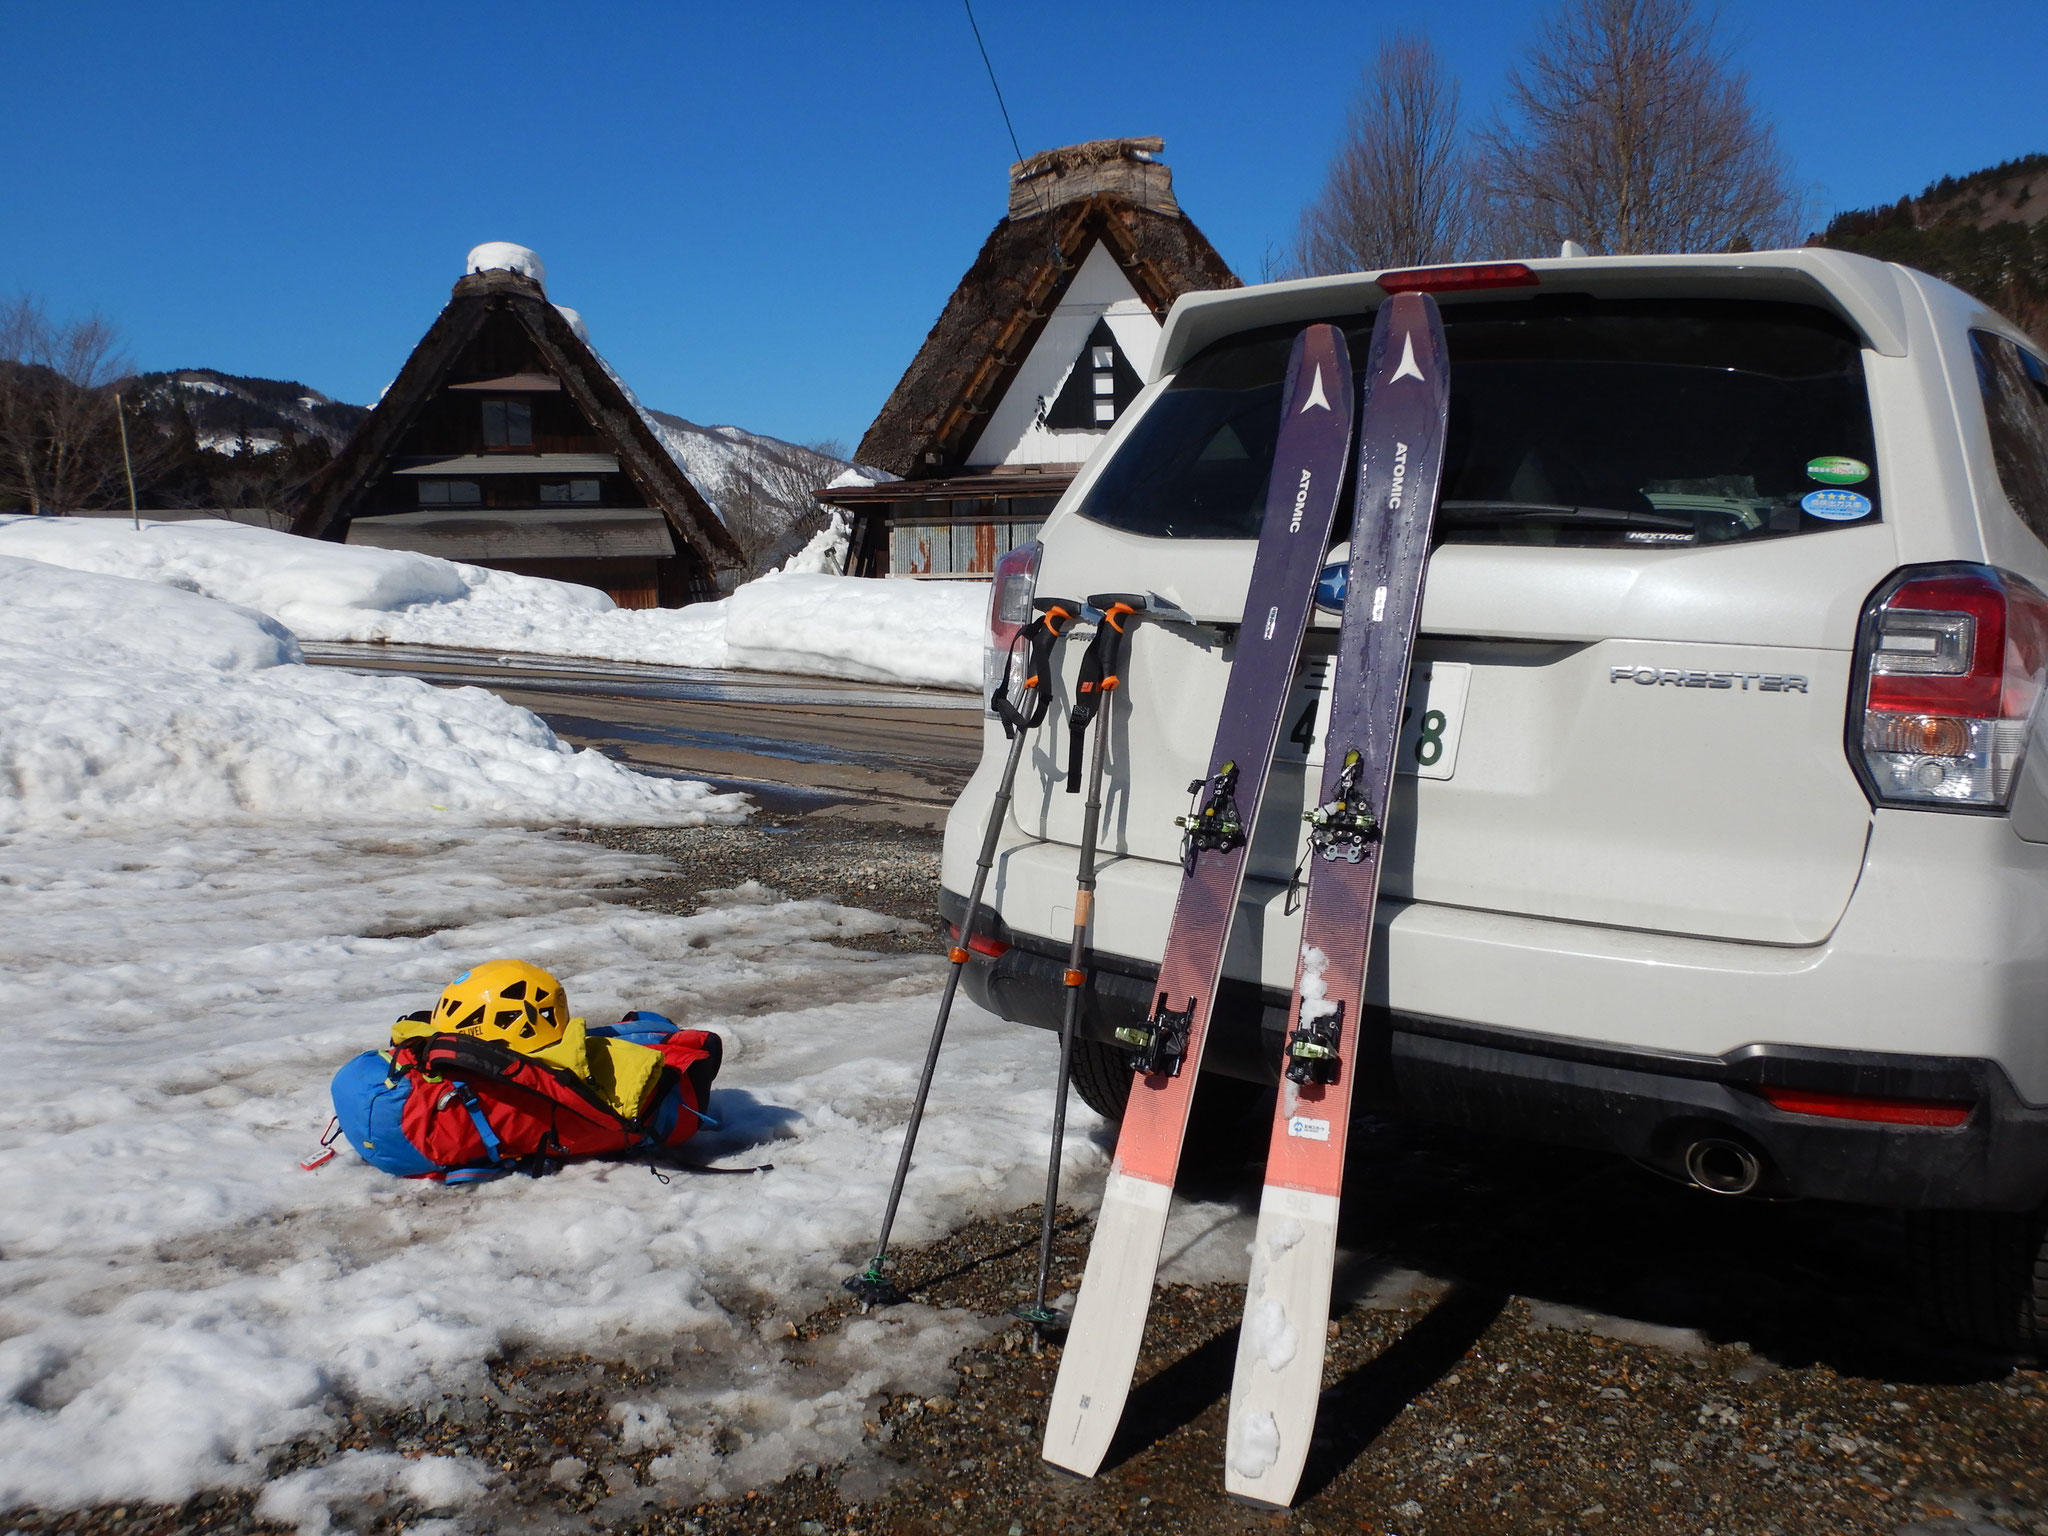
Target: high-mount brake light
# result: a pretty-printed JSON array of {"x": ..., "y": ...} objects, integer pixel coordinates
[
  {"x": 1950, "y": 663},
  {"x": 1009, "y": 610},
  {"x": 1856, "y": 1106},
  {"x": 1492, "y": 274}
]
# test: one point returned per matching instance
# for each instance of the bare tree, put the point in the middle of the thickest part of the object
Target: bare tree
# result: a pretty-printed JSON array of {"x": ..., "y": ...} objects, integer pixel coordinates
[
  {"x": 1628, "y": 129},
  {"x": 60, "y": 446},
  {"x": 1397, "y": 191}
]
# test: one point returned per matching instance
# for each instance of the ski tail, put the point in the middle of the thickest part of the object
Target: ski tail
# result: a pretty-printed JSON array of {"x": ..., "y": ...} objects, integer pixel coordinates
[
  {"x": 1279, "y": 1373},
  {"x": 1307, "y": 481}
]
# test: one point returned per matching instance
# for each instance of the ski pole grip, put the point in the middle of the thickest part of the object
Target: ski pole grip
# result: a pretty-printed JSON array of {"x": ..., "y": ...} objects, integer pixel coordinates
[
  {"x": 1036, "y": 640},
  {"x": 1045, "y": 632}
]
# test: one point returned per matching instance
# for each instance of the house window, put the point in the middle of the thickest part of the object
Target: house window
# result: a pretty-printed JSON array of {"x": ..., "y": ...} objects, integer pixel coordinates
[
  {"x": 584, "y": 491},
  {"x": 447, "y": 493},
  {"x": 1098, "y": 388},
  {"x": 508, "y": 424}
]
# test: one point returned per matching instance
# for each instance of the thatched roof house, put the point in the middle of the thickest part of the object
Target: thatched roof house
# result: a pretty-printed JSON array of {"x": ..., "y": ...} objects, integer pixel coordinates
[
  {"x": 1044, "y": 342},
  {"x": 506, "y": 442}
]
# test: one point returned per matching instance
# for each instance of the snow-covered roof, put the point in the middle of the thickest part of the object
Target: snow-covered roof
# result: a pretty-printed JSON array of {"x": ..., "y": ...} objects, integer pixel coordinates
[{"x": 504, "y": 256}]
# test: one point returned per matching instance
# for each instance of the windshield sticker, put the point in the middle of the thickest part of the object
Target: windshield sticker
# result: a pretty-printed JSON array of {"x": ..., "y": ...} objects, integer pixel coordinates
[
  {"x": 1835, "y": 469},
  {"x": 1835, "y": 506}
]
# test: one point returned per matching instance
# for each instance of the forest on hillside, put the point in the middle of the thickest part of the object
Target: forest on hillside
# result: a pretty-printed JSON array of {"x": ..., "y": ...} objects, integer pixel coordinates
[{"x": 1986, "y": 232}]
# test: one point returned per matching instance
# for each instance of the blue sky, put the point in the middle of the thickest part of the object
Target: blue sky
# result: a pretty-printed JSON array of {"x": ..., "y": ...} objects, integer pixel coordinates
[{"x": 760, "y": 208}]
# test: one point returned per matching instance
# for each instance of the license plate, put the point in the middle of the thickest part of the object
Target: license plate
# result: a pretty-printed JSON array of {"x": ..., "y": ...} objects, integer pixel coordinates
[{"x": 1430, "y": 725}]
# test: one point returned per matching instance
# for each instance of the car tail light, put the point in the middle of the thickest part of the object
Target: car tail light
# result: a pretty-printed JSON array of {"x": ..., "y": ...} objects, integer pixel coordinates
[
  {"x": 1009, "y": 610},
  {"x": 981, "y": 943},
  {"x": 1949, "y": 665},
  {"x": 1493, "y": 274},
  {"x": 1857, "y": 1106}
]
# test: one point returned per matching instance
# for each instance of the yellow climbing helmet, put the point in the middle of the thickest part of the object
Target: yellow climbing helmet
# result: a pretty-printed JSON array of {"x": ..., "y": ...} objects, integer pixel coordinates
[{"x": 508, "y": 1000}]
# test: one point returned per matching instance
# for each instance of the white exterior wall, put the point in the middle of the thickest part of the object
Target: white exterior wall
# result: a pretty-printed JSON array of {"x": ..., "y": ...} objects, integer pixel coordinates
[{"x": 1099, "y": 290}]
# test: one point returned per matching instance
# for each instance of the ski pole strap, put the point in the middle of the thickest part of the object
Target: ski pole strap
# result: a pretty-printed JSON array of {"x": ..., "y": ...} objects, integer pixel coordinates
[
  {"x": 1036, "y": 640},
  {"x": 1100, "y": 676}
]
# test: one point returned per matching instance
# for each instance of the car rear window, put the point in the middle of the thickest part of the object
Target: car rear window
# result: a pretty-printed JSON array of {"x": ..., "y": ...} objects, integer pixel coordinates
[{"x": 1574, "y": 421}]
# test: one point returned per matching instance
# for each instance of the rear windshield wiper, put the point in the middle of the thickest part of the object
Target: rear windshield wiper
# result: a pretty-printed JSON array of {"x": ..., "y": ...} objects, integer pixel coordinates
[{"x": 1540, "y": 512}]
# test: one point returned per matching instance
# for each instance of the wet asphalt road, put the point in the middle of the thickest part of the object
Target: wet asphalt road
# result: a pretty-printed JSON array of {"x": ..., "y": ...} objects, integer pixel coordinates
[{"x": 799, "y": 745}]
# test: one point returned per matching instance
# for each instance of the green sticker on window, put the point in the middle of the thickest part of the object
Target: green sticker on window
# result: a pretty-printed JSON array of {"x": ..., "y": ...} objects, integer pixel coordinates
[{"x": 1834, "y": 469}]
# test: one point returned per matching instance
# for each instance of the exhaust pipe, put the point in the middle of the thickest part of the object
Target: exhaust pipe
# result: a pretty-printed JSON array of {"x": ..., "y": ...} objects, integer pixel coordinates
[{"x": 1723, "y": 1167}]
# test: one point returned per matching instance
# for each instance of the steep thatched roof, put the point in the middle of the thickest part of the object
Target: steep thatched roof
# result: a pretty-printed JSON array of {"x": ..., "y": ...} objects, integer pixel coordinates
[
  {"x": 1063, "y": 203},
  {"x": 331, "y": 500}
]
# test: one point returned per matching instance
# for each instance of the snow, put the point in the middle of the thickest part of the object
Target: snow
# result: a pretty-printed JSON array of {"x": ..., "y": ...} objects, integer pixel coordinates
[
  {"x": 223, "y": 873},
  {"x": 858, "y": 475},
  {"x": 127, "y": 702},
  {"x": 183, "y": 1300},
  {"x": 232, "y": 443},
  {"x": 504, "y": 256},
  {"x": 825, "y": 555},
  {"x": 799, "y": 620},
  {"x": 1256, "y": 1446},
  {"x": 576, "y": 325},
  {"x": 1269, "y": 1335},
  {"x": 306, "y": 1499}
]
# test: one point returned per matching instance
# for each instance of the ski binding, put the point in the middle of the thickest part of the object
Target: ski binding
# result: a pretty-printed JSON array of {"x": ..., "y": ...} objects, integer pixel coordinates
[
  {"x": 1312, "y": 1047},
  {"x": 1217, "y": 826},
  {"x": 1340, "y": 828},
  {"x": 1161, "y": 1041}
]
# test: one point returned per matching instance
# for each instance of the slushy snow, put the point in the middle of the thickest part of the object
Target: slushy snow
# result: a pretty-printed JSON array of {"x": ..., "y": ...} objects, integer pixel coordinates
[
  {"x": 125, "y": 702},
  {"x": 225, "y": 874},
  {"x": 799, "y": 619},
  {"x": 182, "y": 1299}
]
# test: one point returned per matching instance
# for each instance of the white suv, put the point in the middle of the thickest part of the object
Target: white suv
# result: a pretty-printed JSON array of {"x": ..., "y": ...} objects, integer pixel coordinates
[{"x": 1722, "y": 836}]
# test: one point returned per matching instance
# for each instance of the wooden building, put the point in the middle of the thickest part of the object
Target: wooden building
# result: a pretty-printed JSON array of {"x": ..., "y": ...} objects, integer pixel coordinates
[
  {"x": 1047, "y": 339},
  {"x": 506, "y": 442}
]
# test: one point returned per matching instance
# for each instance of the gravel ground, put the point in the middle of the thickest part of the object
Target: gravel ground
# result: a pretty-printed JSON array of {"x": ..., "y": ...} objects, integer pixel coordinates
[
  {"x": 885, "y": 868},
  {"x": 1525, "y": 1340}
]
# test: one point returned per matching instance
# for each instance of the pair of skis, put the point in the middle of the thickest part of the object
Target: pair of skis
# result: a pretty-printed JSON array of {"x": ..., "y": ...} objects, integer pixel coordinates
[{"x": 1280, "y": 1357}]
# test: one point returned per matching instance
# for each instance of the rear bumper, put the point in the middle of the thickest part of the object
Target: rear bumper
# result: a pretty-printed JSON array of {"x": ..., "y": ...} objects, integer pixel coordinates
[{"x": 1645, "y": 1104}]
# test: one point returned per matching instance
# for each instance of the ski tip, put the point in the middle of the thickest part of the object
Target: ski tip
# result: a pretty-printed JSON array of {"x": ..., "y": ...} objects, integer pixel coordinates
[
  {"x": 1050, "y": 1322},
  {"x": 871, "y": 1290},
  {"x": 1066, "y": 1471}
]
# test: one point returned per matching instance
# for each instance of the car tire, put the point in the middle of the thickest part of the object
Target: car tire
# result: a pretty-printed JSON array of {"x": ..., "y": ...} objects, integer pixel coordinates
[
  {"x": 1984, "y": 1276},
  {"x": 1102, "y": 1077}
]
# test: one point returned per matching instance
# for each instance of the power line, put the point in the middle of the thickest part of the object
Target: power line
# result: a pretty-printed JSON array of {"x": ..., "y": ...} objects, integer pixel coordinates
[{"x": 969, "y": 4}]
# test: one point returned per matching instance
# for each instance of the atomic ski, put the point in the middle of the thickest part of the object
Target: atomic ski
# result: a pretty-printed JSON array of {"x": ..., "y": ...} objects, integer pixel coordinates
[
  {"x": 1309, "y": 461},
  {"x": 1287, "y": 1305}
]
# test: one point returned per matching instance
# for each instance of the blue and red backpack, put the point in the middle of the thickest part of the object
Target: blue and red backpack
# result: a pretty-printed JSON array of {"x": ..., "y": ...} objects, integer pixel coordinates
[{"x": 457, "y": 1109}]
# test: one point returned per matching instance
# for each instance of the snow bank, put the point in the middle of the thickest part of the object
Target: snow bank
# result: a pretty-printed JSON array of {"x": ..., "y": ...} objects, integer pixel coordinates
[
  {"x": 182, "y": 1299},
  {"x": 126, "y": 701},
  {"x": 798, "y": 620}
]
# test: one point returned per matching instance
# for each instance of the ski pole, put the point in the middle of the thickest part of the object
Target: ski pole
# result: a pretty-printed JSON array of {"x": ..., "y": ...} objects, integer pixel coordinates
[
  {"x": 1100, "y": 677},
  {"x": 1019, "y": 719}
]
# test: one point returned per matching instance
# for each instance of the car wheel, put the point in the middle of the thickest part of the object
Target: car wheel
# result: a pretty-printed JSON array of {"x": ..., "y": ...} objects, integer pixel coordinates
[
  {"x": 1984, "y": 1276},
  {"x": 1102, "y": 1077}
]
